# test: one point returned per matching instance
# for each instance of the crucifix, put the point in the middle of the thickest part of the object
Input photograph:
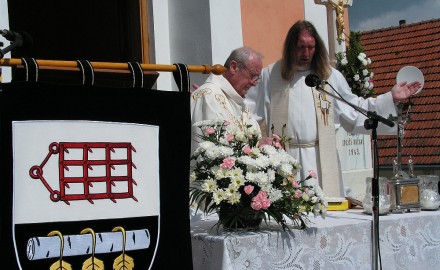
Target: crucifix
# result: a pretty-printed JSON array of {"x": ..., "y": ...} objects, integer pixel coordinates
[{"x": 339, "y": 6}]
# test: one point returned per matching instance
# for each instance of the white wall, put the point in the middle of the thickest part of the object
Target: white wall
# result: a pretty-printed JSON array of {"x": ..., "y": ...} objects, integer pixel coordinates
[
  {"x": 317, "y": 14},
  {"x": 193, "y": 32},
  {"x": 226, "y": 28},
  {"x": 160, "y": 39}
]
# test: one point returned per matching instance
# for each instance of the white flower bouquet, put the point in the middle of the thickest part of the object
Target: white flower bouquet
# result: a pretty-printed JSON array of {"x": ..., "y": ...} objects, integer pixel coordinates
[{"x": 242, "y": 178}]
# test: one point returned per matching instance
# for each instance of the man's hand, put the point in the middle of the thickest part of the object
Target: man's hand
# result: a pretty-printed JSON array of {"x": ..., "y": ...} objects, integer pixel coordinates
[
  {"x": 195, "y": 86},
  {"x": 404, "y": 90}
]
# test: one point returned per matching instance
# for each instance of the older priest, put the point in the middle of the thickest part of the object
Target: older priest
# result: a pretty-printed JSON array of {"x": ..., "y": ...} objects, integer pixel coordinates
[{"x": 222, "y": 96}]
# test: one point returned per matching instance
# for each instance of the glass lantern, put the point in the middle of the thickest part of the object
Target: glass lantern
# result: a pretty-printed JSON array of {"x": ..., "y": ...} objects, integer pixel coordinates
[
  {"x": 429, "y": 196},
  {"x": 384, "y": 197}
]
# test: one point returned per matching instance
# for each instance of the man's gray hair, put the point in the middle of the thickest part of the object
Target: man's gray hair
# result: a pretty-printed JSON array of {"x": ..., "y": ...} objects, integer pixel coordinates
[{"x": 241, "y": 55}]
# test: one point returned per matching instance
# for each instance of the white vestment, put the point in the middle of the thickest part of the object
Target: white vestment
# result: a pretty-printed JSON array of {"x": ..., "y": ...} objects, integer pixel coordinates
[
  {"x": 302, "y": 118},
  {"x": 217, "y": 99}
]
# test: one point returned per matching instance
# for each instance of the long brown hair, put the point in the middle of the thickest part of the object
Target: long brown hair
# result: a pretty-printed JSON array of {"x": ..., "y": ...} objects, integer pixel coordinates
[{"x": 320, "y": 62}]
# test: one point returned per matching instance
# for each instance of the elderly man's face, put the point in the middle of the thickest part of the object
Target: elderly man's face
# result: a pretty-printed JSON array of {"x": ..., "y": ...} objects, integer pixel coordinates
[
  {"x": 247, "y": 75},
  {"x": 305, "y": 49}
]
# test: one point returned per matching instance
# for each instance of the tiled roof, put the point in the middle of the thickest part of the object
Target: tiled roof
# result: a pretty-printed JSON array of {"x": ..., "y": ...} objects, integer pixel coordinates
[{"x": 390, "y": 49}]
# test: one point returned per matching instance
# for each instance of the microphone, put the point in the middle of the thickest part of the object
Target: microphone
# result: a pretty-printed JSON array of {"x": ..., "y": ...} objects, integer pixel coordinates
[
  {"x": 313, "y": 80},
  {"x": 20, "y": 38}
]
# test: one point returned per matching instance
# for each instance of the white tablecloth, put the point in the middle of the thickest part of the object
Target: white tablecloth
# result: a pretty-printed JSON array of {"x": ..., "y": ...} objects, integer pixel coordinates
[{"x": 340, "y": 241}]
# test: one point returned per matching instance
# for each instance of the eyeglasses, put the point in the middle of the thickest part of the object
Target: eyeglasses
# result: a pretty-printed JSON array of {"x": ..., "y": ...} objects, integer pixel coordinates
[{"x": 253, "y": 76}]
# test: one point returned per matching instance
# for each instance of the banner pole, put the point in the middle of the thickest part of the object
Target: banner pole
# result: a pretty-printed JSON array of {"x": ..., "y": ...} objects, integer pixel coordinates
[{"x": 50, "y": 64}]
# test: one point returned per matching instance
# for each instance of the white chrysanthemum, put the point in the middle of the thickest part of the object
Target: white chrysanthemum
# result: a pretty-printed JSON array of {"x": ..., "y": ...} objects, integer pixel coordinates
[
  {"x": 275, "y": 160},
  {"x": 240, "y": 136},
  {"x": 206, "y": 145},
  {"x": 251, "y": 169},
  {"x": 246, "y": 160},
  {"x": 226, "y": 151},
  {"x": 215, "y": 122},
  {"x": 255, "y": 151},
  {"x": 262, "y": 161},
  {"x": 212, "y": 152},
  {"x": 269, "y": 150},
  {"x": 286, "y": 158},
  {"x": 223, "y": 141},
  {"x": 219, "y": 195},
  {"x": 236, "y": 176},
  {"x": 275, "y": 195},
  {"x": 209, "y": 185},
  {"x": 261, "y": 177},
  {"x": 267, "y": 187},
  {"x": 253, "y": 131},
  {"x": 368, "y": 61},
  {"x": 285, "y": 170},
  {"x": 198, "y": 151},
  {"x": 292, "y": 160},
  {"x": 234, "y": 198},
  {"x": 231, "y": 189},
  {"x": 219, "y": 173},
  {"x": 356, "y": 77},
  {"x": 238, "y": 180},
  {"x": 270, "y": 175},
  {"x": 251, "y": 176}
]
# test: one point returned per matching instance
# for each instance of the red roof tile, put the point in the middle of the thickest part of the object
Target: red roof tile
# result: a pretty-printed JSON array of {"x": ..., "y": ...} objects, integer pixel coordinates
[{"x": 390, "y": 49}]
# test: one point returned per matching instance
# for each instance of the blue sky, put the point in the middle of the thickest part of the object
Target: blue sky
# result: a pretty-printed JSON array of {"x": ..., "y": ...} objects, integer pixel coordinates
[{"x": 365, "y": 15}]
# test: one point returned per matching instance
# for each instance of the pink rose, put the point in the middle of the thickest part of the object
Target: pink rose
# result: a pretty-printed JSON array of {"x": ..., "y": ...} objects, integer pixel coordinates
[
  {"x": 210, "y": 130},
  {"x": 229, "y": 137},
  {"x": 298, "y": 193},
  {"x": 265, "y": 141},
  {"x": 265, "y": 203},
  {"x": 256, "y": 205},
  {"x": 295, "y": 184},
  {"x": 246, "y": 149},
  {"x": 228, "y": 163},
  {"x": 262, "y": 194},
  {"x": 248, "y": 189},
  {"x": 260, "y": 201},
  {"x": 313, "y": 174}
]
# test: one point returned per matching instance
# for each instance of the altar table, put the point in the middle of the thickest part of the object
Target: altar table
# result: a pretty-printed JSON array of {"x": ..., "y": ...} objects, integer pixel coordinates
[{"x": 342, "y": 240}]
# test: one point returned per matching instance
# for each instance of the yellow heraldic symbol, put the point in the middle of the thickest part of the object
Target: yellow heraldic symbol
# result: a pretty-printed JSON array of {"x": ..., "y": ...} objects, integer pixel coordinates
[
  {"x": 92, "y": 263},
  {"x": 123, "y": 261},
  {"x": 60, "y": 264}
]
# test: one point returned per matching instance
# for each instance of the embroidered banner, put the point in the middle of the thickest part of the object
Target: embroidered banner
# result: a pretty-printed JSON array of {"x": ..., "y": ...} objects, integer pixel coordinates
[{"x": 90, "y": 178}]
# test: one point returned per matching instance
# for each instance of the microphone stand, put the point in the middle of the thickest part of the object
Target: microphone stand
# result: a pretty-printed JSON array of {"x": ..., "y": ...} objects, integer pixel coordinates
[{"x": 370, "y": 123}]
